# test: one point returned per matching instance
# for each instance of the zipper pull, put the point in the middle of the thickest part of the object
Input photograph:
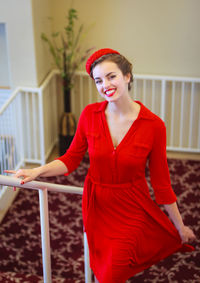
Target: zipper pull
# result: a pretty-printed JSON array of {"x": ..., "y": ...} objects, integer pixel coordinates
[{"x": 114, "y": 151}]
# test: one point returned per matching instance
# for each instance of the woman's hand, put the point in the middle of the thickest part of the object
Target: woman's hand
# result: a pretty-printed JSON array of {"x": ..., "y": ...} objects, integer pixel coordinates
[
  {"x": 54, "y": 168},
  {"x": 186, "y": 234},
  {"x": 26, "y": 175}
]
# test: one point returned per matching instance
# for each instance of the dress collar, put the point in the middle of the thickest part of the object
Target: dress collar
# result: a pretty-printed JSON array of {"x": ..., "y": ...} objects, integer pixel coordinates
[{"x": 144, "y": 113}]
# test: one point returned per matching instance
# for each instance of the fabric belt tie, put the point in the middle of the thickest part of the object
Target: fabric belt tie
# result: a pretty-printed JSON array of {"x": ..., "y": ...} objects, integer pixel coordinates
[{"x": 126, "y": 185}]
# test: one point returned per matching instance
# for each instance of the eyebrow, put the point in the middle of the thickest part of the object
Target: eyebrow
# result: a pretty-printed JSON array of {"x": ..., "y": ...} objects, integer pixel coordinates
[{"x": 108, "y": 74}]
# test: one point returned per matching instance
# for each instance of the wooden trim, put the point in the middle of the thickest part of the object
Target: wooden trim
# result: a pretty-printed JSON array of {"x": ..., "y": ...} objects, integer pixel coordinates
[{"x": 4, "y": 87}]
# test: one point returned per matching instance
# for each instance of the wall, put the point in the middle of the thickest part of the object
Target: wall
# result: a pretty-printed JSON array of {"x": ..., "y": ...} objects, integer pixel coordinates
[
  {"x": 18, "y": 18},
  {"x": 41, "y": 23},
  {"x": 158, "y": 36},
  {"x": 4, "y": 69}
]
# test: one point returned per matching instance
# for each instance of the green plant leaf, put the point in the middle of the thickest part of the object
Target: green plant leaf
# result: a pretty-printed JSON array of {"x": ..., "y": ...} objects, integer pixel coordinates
[
  {"x": 55, "y": 34},
  {"x": 66, "y": 47},
  {"x": 44, "y": 37}
]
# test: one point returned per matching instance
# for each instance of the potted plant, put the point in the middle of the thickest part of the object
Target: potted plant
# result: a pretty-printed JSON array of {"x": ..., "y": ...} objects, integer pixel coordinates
[{"x": 65, "y": 48}]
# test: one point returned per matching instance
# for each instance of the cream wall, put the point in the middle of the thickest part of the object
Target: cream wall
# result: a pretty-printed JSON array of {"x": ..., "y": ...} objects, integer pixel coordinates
[
  {"x": 158, "y": 36},
  {"x": 28, "y": 57},
  {"x": 4, "y": 70},
  {"x": 41, "y": 12},
  {"x": 17, "y": 15}
]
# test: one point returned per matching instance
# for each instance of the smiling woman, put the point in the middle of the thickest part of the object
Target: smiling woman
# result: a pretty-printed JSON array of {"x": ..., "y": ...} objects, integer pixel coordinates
[{"x": 127, "y": 231}]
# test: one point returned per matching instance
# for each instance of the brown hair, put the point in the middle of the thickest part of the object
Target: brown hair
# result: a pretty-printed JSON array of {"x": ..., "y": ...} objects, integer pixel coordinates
[{"x": 123, "y": 64}]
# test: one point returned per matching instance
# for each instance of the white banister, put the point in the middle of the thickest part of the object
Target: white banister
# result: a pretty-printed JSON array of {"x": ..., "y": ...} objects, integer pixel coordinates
[
  {"x": 153, "y": 96},
  {"x": 30, "y": 118},
  {"x": 27, "y": 129},
  {"x": 45, "y": 237},
  {"x": 41, "y": 117},
  {"x": 21, "y": 130},
  {"x": 34, "y": 115},
  {"x": 135, "y": 89},
  {"x": 182, "y": 113},
  {"x": 88, "y": 272},
  {"x": 43, "y": 188},
  {"x": 163, "y": 99},
  {"x": 191, "y": 115},
  {"x": 172, "y": 114},
  {"x": 170, "y": 98},
  {"x": 144, "y": 91}
]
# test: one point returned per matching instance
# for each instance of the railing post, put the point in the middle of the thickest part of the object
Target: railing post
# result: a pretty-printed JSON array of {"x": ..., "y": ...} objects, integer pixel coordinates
[
  {"x": 45, "y": 237},
  {"x": 44, "y": 220},
  {"x": 41, "y": 127},
  {"x": 163, "y": 96},
  {"x": 88, "y": 273}
]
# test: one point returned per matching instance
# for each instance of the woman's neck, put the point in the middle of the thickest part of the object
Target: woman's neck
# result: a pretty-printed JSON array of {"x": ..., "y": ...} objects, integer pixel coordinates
[{"x": 125, "y": 106}]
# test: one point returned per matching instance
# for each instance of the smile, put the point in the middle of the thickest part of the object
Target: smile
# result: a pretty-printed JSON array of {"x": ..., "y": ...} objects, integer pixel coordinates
[{"x": 110, "y": 92}]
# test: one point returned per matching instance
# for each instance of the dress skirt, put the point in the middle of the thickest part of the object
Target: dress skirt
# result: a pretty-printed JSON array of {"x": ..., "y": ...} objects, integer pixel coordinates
[{"x": 127, "y": 232}]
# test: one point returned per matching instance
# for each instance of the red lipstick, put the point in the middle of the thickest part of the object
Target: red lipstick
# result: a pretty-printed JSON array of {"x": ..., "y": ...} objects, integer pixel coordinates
[{"x": 110, "y": 92}]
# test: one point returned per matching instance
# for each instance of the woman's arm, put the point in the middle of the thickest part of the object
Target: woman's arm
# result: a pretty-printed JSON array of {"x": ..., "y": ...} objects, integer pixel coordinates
[
  {"x": 160, "y": 180},
  {"x": 185, "y": 232},
  {"x": 53, "y": 168}
]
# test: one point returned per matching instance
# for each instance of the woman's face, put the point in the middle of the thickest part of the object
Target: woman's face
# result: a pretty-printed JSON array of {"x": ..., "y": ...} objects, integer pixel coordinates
[{"x": 110, "y": 82}]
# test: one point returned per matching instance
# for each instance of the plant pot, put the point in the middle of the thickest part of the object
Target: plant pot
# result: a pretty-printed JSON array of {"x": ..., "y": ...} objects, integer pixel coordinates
[{"x": 67, "y": 131}]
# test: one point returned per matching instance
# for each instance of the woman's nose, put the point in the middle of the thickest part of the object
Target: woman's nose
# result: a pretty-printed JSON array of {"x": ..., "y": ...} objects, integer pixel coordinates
[{"x": 105, "y": 84}]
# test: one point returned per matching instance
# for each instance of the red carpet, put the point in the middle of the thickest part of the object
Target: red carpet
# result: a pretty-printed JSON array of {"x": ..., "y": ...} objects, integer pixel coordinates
[{"x": 20, "y": 241}]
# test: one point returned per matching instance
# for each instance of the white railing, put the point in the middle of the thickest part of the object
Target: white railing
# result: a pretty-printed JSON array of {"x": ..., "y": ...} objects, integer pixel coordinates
[
  {"x": 29, "y": 119},
  {"x": 175, "y": 99},
  {"x": 28, "y": 128},
  {"x": 43, "y": 189},
  {"x": 29, "y": 125},
  {"x": 11, "y": 136}
]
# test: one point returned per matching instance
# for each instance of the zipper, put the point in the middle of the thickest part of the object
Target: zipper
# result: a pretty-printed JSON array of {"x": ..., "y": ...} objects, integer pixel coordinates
[{"x": 114, "y": 164}]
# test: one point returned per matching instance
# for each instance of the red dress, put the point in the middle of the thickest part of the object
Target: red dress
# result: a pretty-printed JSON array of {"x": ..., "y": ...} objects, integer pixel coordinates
[{"x": 126, "y": 230}]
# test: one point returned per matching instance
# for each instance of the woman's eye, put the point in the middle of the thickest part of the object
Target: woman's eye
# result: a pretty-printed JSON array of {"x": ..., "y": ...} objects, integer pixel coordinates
[
  {"x": 112, "y": 76},
  {"x": 97, "y": 82}
]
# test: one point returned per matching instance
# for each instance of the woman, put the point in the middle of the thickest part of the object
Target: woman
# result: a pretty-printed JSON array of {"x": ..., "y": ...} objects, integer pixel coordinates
[{"x": 126, "y": 230}]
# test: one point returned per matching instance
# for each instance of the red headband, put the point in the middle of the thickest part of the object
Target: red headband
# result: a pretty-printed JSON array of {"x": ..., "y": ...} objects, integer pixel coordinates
[{"x": 96, "y": 55}]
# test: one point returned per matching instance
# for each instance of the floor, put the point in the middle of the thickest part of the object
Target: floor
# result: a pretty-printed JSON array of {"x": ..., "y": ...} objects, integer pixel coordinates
[{"x": 171, "y": 270}]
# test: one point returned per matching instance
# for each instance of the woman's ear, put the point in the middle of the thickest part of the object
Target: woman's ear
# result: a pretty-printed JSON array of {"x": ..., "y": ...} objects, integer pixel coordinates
[{"x": 128, "y": 78}]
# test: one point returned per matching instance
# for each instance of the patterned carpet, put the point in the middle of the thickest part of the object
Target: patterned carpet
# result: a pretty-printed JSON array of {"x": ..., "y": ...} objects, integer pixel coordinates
[{"x": 20, "y": 241}]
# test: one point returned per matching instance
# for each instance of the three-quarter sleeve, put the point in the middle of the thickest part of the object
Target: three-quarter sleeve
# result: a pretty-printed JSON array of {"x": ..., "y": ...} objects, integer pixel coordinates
[
  {"x": 158, "y": 166},
  {"x": 78, "y": 147}
]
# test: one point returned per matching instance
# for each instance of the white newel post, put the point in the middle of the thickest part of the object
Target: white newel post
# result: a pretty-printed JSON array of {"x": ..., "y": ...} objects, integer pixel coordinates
[
  {"x": 88, "y": 272},
  {"x": 45, "y": 236}
]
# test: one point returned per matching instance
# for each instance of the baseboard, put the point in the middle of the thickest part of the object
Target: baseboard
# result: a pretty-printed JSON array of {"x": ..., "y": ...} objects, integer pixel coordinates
[
  {"x": 183, "y": 155},
  {"x": 6, "y": 199}
]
